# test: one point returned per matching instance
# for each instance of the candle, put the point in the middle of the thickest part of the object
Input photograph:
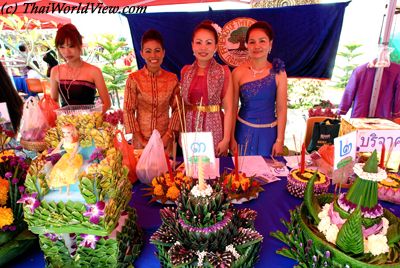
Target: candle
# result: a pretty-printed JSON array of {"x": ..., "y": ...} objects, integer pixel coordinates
[
  {"x": 303, "y": 158},
  {"x": 202, "y": 184},
  {"x": 382, "y": 162},
  {"x": 236, "y": 155},
  {"x": 171, "y": 174}
]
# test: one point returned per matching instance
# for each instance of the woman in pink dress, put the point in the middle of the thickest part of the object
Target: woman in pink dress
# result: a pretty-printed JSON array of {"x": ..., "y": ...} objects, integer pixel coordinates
[{"x": 207, "y": 90}]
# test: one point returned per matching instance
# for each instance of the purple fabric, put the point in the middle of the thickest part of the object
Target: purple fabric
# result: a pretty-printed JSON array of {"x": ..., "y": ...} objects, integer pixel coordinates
[{"x": 359, "y": 90}]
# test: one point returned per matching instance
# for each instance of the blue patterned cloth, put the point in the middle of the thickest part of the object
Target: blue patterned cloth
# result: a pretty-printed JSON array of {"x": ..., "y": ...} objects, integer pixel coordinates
[{"x": 258, "y": 107}]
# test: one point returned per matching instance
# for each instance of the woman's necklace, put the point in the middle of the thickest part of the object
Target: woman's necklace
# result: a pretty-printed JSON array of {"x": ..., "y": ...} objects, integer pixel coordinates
[
  {"x": 256, "y": 72},
  {"x": 73, "y": 75}
]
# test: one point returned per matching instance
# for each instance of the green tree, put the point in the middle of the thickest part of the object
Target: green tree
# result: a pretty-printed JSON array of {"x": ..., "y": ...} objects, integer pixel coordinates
[
  {"x": 114, "y": 76},
  {"x": 239, "y": 36},
  {"x": 28, "y": 32},
  {"x": 349, "y": 54}
]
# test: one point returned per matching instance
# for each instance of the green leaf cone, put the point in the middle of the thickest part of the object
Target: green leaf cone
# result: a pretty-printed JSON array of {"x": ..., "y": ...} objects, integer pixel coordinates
[
  {"x": 350, "y": 236},
  {"x": 365, "y": 192},
  {"x": 371, "y": 166}
]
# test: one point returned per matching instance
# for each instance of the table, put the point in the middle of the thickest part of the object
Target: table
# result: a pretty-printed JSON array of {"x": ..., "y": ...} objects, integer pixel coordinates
[{"x": 272, "y": 205}]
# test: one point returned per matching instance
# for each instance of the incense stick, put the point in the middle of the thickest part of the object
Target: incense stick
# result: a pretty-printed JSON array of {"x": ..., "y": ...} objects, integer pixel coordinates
[
  {"x": 180, "y": 114},
  {"x": 389, "y": 154},
  {"x": 295, "y": 147}
]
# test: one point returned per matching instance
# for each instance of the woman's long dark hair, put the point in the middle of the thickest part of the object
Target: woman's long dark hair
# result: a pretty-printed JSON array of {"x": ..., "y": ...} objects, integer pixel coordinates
[{"x": 10, "y": 96}]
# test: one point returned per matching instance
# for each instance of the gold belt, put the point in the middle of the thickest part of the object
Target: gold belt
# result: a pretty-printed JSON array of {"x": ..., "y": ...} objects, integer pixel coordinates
[
  {"x": 203, "y": 108},
  {"x": 271, "y": 125}
]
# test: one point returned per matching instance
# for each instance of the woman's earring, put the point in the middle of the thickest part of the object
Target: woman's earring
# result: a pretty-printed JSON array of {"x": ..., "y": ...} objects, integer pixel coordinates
[{"x": 269, "y": 52}]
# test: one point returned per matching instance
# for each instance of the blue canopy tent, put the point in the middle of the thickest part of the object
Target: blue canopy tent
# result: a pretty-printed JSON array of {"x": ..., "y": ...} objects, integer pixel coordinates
[{"x": 307, "y": 37}]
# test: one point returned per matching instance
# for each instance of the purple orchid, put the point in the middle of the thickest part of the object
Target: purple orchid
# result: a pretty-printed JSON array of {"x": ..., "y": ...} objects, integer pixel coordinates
[
  {"x": 89, "y": 241},
  {"x": 95, "y": 212},
  {"x": 53, "y": 237},
  {"x": 30, "y": 201},
  {"x": 97, "y": 155}
]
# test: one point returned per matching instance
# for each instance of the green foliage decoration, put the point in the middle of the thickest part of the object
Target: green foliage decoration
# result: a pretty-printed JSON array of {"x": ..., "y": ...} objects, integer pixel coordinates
[
  {"x": 349, "y": 53},
  {"x": 114, "y": 76}
]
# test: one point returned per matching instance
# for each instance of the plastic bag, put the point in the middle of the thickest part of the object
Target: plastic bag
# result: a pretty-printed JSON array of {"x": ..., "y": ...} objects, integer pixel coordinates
[
  {"x": 152, "y": 162},
  {"x": 128, "y": 155},
  {"x": 34, "y": 124},
  {"x": 48, "y": 105}
]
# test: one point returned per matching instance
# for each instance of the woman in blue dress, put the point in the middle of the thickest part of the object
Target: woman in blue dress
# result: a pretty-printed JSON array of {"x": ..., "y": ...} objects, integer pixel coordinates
[{"x": 262, "y": 88}]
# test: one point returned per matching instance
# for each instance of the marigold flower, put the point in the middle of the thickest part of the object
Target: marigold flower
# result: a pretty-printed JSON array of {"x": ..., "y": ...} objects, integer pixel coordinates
[
  {"x": 6, "y": 217},
  {"x": 173, "y": 193},
  {"x": 154, "y": 182},
  {"x": 158, "y": 190},
  {"x": 4, "y": 186}
]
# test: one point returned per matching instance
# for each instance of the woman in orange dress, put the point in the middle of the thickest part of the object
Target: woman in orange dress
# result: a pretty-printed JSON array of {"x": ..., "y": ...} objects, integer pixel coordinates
[{"x": 150, "y": 96}]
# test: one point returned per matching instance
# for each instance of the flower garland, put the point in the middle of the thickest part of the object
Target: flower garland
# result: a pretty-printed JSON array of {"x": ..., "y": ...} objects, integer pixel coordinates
[
  {"x": 358, "y": 169},
  {"x": 375, "y": 244},
  {"x": 197, "y": 192}
]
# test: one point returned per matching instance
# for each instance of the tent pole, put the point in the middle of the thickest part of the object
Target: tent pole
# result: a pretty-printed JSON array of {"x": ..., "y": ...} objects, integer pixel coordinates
[{"x": 379, "y": 72}]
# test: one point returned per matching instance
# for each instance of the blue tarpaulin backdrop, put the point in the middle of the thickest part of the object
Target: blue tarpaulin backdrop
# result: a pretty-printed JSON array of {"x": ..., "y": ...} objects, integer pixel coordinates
[{"x": 306, "y": 37}]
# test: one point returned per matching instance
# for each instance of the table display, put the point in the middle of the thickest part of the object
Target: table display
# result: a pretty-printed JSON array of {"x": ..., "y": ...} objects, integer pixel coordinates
[
  {"x": 345, "y": 230},
  {"x": 272, "y": 206},
  {"x": 77, "y": 202}
]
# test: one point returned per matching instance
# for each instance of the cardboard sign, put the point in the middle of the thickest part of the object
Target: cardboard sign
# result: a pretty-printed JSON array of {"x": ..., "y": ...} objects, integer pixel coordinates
[
  {"x": 345, "y": 149},
  {"x": 195, "y": 145}
]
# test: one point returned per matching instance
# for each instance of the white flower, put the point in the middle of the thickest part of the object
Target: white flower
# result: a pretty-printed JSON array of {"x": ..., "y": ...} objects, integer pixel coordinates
[
  {"x": 385, "y": 227},
  {"x": 232, "y": 249},
  {"x": 376, "y": 244},
  {"x": 196, "y": 192},
  {"x": 358, "y": 169},
  {"x": 324, "y": 225},
  {"x": 324, "y": 212},
  {"x": 200, "y": 256},
  {"x": 331, "y": 233},
  {"x": 217, "y": 28}
]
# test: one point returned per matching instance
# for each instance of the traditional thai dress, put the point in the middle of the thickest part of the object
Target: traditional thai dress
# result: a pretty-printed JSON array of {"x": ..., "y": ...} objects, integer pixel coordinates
[
  {"x": 358, "y": 92},
  {"x": 66, "y": 171},
  {"x": 256, "y": 126},
  {"x": 210, "y": 89},
  {"x": 147, "y": 103}
]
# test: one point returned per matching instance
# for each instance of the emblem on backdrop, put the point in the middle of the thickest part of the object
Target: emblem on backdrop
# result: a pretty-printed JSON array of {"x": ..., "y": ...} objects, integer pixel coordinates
[{"x": 231, "y": 41}]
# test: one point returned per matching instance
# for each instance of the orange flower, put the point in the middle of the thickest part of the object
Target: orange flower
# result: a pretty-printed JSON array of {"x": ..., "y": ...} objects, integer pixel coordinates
[
  {"x": 173, "y": 192},
  {"x": 158, "y": 190},
  {"x": 6, "y": 217},
  {"x": 4, "y": 186},
  {"x": 154, "y": 182}
]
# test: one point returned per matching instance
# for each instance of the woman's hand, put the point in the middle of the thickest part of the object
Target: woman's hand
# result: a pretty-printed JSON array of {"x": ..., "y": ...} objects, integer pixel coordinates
[
  {"x": 222, "y": 148},
  {"x": 277, "y": 148}
]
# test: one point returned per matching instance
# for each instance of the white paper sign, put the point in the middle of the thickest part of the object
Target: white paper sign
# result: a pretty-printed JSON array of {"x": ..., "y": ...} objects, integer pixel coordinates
[
  {"x": 369, "y": 140},
  {"x": 197, "y": 144},
  {"x": 345, "y": 148}
]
